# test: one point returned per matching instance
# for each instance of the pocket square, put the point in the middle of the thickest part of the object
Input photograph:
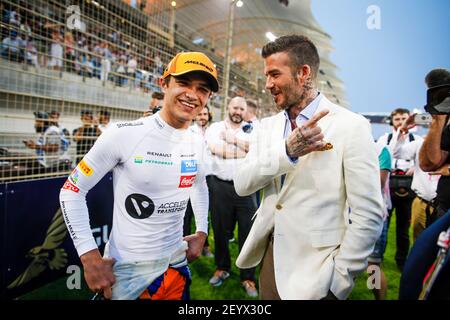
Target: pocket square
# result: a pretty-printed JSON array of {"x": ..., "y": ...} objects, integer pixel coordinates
[{"x": 327, "y": 146}]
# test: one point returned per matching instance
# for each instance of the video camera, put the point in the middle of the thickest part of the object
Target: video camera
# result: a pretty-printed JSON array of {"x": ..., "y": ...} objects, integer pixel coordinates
[{"x": 438, "y": 99}]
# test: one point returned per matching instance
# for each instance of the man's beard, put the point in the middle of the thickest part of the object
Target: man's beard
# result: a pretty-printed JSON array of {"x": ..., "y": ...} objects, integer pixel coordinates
[
  {"x": 40, "y": 129},
  {"x": 235, "y": 116},
  {"x": 292, "y": 97},
  {"x": 292, "y": 100}
]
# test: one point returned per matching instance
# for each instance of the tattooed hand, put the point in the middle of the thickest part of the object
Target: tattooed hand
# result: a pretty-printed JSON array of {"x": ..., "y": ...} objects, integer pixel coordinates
[{"x": 307, "y": 138}]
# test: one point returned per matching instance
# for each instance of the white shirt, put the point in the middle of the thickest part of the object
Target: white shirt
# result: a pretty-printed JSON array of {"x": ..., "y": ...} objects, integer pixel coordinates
[
  {"x": 156, "y": 169},
  {"x": 56, "y": 50},
  {"x": 132, "y": 65},
  {"x": 402, "y": 164},
  {"x": 51, "y": 136},
  {"x": 422, "y": 184},
  {"x": 224, "y": 169}
]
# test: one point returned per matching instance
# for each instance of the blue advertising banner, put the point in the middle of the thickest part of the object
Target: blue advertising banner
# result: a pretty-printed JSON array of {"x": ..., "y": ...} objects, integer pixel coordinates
[{"x": 36, "y": 246}]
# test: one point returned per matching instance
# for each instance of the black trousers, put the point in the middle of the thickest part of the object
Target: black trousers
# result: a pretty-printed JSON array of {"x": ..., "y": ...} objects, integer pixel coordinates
[
  {"x": 402, "y": 207},
  {"x": 228, "y": 207}
]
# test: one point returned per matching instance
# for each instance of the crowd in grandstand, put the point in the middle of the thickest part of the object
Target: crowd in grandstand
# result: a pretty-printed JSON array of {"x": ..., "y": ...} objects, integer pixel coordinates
[{"x": 94, "y": 53}]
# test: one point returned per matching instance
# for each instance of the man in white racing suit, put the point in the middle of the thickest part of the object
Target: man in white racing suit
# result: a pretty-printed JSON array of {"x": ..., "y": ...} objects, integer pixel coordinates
[{"x": 157, "y": 166}]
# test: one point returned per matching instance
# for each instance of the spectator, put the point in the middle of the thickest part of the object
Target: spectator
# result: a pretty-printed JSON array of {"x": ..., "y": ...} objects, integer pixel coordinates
[
  {"x": 32, "y": 54},
  {"x": 79, "y": 68},
  {"x": 69, "y": 50},
  {"x": 89, "y": 65},
  {"x": 202, "y": 122},
  {"x": 228, "y": 144},
  {"x": 85, "y": 135},
  {"x": 104, "y": 117},
  {"x": 250, "y": 116},
  {"x": 401, "y": 195},
  {"x": 25, "y": 29},
  {"x": 65, "y": 134},
  {"x": 12, "y": 47},
  {"x": 56, "y": 51},
  {"x": 106, "y": 61},
  {"x": 131, "y": 67},
  {"x": 14, "y": 17},
  {"x": 48, "y": 143},
  {"x": 121, "y": 72}
]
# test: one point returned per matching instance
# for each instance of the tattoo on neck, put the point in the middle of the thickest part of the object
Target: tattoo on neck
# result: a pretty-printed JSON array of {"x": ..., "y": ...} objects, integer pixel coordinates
[
  {"x": 309, "y": 91},
  {"x": 308, "y": 95}
]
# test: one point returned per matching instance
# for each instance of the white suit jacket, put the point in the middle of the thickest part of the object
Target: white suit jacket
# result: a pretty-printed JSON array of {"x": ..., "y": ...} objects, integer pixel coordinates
[{"x": 318, "y": 244}]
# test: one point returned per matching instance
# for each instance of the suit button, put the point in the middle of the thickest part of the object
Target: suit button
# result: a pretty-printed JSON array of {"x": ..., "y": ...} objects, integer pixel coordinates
[{"x": 279, "y": 206}]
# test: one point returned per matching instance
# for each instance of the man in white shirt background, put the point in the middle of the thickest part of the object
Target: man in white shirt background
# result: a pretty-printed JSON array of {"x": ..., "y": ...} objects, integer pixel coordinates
[
  {"x": 48, "y": 143},
  {"x": 401, "y": 197},
  {"x": 199, "y": 126},
  {"x": 229, "y": 143}
]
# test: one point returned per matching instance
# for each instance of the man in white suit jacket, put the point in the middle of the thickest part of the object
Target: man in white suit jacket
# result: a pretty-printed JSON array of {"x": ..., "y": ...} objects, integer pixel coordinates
[{"x": 309, "y": 244}]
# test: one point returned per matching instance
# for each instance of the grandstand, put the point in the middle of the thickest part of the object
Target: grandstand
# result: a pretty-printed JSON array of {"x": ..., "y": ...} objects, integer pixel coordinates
[{"x": 83, "y": 57}]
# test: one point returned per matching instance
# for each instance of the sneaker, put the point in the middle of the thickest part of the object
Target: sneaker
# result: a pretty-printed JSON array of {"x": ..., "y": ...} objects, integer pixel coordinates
[
  {"x": 250, "y": 288},
  {"x": 206, "y": 252},
  {"x": 218, "y": 277}
]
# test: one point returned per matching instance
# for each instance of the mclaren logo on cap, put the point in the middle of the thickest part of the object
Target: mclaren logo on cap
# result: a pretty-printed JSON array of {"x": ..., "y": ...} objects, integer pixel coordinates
[{"x": 199, "y": 63}]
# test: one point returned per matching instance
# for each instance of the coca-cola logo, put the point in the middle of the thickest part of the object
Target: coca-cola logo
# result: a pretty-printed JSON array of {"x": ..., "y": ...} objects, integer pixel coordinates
[
  {"x": 186, "y": 181},
  {"x": 69, "y": 186}
]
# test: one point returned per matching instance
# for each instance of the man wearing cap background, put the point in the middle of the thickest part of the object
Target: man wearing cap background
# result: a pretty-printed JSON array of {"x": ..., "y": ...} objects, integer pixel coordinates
[
  {"x": 157, "y": 165},
  {"x": 48, "y": 142}
]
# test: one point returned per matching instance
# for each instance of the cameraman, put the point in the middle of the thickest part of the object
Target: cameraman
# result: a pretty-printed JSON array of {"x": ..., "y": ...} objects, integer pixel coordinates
[
  {"x": 400, "y": 182},
  {"x": 434, "y": 154}
]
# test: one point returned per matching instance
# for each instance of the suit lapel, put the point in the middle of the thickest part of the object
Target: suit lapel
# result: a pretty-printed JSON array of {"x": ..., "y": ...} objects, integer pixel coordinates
[
  {"x": 278, "y": 133},
  {"x": 323, "y": 123}
]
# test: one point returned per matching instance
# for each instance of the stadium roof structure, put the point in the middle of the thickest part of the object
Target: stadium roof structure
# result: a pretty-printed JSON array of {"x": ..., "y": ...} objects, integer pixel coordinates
[{"x": 205, "y": 23}]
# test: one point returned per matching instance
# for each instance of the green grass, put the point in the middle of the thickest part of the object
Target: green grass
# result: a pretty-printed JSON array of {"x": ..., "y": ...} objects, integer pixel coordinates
[
  {"x": 203, "y": 268},
  {"x": 389, "y": 267}
]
